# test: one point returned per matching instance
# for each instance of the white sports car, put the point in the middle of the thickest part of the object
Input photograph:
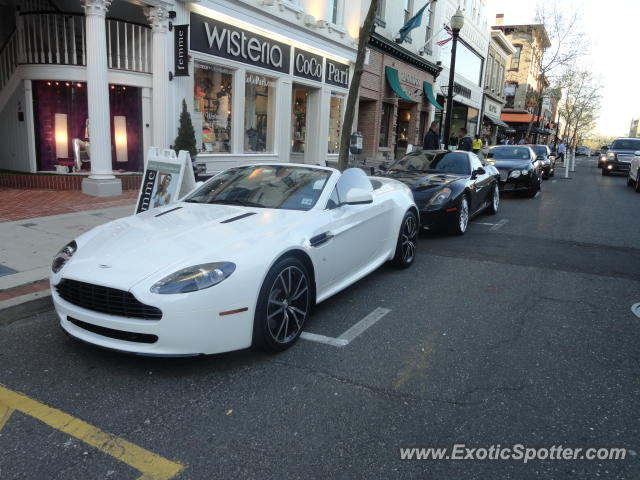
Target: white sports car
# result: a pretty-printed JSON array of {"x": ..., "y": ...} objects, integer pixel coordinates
[{"x": 237, "y": 262}]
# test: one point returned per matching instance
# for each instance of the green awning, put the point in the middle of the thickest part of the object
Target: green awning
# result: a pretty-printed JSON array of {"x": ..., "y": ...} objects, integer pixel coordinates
[
  {"x": 394, "y": 83},
  {"x": 428, "y": 91}
]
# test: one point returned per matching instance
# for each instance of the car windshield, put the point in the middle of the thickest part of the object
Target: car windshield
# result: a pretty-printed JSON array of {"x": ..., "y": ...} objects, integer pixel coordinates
[
  {"x": 626, "y": 144},
  {"x": 438, "y": 162},
  {"x": 264, "y": 186},
  {"x": 510, "y": 153},
  {"x": 539, "y": 149}
]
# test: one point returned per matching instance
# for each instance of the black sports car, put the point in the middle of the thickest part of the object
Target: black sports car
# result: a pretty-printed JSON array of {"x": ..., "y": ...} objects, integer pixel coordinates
[
  {"x": 520, "y": 169},
  {"x": 547, "y": 158},
  {"x": 449, "y": 188}
]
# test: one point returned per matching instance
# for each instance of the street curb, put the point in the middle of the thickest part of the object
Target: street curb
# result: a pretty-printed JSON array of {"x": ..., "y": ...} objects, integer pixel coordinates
[{"x": 25, "y": 306}]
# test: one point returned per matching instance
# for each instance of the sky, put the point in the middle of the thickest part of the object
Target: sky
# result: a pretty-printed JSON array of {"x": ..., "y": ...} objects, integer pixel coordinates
[{"x": 612, "y": 29}]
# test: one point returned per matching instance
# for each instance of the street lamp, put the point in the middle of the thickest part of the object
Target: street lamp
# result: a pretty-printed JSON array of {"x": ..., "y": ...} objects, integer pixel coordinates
[{"x": 457, "y": 22}]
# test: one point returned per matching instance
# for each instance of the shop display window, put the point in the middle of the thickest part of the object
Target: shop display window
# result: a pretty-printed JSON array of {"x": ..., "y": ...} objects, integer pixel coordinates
[
  {"x": 335, "y": 122},
  {"x": 299, "y": 120},
  {"x": 212, "y": 107},
  {"x": 258, "y": 117}
]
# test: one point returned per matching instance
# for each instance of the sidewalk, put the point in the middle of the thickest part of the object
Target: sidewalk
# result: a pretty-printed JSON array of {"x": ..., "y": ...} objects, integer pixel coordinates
[{"x": 36, "y": 224}]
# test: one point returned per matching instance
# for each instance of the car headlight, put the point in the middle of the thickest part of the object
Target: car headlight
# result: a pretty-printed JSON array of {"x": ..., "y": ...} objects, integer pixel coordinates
[
  {"x": 525, "y": 172},
  {"x": 514, "y": 174},
  {"x": 611, "y": 156},
  {"x": 440, "y": 197},
  {"x": 194, "y": 278},
  {"x": 63, "y": 256}
]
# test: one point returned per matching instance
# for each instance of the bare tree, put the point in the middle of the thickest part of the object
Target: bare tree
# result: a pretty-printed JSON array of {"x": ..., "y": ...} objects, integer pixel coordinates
[
  {"x": 567, "y": 44},
  {"x": 581, "y": 104},
  {"x": 352, "y": 98}
]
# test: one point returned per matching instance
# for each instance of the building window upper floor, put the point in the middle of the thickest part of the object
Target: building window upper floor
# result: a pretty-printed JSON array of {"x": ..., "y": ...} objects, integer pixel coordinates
[{"x": 515, "y": 57}]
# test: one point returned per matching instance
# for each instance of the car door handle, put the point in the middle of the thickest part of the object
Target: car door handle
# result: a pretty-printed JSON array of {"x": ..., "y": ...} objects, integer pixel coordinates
[{"x": 320, "y": 239}]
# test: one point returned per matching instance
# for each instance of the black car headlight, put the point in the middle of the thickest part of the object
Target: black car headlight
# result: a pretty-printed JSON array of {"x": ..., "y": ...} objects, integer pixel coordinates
[
  {"x": 63, "y": 256},
  {"x": 611, "y": 156},
  {"x": 439, "y": 198},
  {"x": 514, "y": 173},
  {"x": 194, "y": 278}
]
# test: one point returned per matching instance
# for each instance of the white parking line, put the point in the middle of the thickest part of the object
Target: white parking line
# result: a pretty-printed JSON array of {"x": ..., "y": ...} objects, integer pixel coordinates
[
  {"x": 635, "y": 309},
  {"x": 554, "y": 181},
  {"x": 484, "y": 223},
  {"x": 500, "y": 224},
  {"x": 347, "y": 337}
]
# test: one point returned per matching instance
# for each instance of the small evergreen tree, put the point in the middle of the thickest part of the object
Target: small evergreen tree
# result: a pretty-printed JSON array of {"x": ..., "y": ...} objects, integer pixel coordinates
[{"x": 186, "y": 139}]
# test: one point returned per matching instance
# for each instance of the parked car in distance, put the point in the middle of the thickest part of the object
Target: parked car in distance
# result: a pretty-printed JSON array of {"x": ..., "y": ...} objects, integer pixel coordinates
[
  {"x": 548, "y": 160},
  {"x": 619, "y": 155},
  {"x": 519, "y": 167},
  {"x": 449, "y": 188},
  {"x": 239, "y": 261},
  {"x": 583, "y": 151},
  {"x": 633, "y": 180}
]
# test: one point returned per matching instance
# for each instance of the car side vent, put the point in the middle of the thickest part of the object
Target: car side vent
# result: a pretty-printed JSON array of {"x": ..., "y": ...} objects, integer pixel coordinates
[
  {"x": 167, "y": 211},
  {"x": 239, "y": 217}
]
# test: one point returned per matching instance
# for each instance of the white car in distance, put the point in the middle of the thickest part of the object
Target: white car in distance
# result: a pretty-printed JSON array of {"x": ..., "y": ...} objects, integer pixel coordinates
[{"x": 238, "y": 262}]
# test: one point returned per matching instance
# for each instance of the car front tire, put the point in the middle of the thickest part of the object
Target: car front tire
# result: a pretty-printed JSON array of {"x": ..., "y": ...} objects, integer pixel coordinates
[
  {"x": 637, "y": 187},
  {"x": 407, "y": 241},
  {"x": 283, "y": 306},
  {"x": 605, "y": 172},
  {"x": 494, "y": 201},
  {"x": 461, "y": 219}
]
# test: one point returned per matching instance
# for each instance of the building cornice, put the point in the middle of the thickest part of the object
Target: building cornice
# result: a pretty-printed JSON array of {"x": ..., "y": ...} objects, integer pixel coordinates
[{"x": 385, "y": 45}]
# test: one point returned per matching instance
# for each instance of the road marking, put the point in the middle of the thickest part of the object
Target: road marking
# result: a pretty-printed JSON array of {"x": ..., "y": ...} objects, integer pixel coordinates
[
  {"x": 635, "y": 309},
  {"x": 152, "y": 466},
  {"x": 351, "y": 334},
  {"x": 500, "y": 224},
  {"x": 484, "y": 223},
  {"x": 5, "y": 414}
]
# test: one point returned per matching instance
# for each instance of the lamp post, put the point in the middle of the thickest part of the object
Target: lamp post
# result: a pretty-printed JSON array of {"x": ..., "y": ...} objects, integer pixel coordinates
[{"x": 457, "y": 22}]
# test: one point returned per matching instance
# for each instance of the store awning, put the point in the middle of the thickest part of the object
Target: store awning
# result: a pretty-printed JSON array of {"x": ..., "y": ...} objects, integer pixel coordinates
[
  {"x": 394, "y": 83},
  {"x": 496, "y": 121},
  {"x": 516, "y": 117},
  {"x": 428, "y": 91}
]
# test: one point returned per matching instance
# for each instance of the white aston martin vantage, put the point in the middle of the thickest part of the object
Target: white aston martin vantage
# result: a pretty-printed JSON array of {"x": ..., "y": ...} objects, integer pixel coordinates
[{"x": 237, "y": 262}]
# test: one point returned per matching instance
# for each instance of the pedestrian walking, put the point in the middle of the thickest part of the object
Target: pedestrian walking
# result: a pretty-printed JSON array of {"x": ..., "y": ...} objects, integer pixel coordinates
[
  {"x": 432, "y": 138},
  {"x": 562, "y": 149},
  {"x": 476, "y": 145},
  {"x": 465, "y": 140}
]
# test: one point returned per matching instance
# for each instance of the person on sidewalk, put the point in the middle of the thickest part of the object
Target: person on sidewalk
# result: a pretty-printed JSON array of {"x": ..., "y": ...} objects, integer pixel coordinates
[
  {"x": 432, "y": 139},
  {"x": 465, "y": 140},
  {"x": 562, "y": 149},
  {"x": 476, "y": 145}
]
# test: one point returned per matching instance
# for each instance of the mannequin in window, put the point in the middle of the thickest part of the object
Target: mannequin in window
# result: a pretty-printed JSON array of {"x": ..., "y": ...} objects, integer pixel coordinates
[{"x": 222, "y": 108}]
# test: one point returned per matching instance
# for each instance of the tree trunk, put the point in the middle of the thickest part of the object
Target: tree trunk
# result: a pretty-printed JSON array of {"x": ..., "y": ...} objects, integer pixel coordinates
[
  {"x": 539, "y": 114},
  {"x": 354, "y": 88}
]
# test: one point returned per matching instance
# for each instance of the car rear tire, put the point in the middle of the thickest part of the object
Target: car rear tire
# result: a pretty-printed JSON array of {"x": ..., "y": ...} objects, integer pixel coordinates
[
  {"x": 407, "y": 241},
  {"x": 283, "y": 306},
  {"x": 494, "y": 201},
  {"x": 461, "y": 220}
]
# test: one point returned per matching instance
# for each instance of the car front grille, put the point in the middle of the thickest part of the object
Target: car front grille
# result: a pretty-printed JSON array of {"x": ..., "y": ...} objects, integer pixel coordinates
[
  {"x": 504, "y": 174},
  {"x": 105, "y": 300}
]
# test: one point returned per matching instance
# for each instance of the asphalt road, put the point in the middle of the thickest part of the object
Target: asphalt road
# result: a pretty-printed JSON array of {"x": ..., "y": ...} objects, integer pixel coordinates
[{"x": 520, "y": 332}]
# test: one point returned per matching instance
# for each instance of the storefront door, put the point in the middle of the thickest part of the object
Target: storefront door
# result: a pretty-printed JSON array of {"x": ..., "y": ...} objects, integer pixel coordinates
[
  {"x": 402, "y": 129},
  {"x": 299, "y": 123}
]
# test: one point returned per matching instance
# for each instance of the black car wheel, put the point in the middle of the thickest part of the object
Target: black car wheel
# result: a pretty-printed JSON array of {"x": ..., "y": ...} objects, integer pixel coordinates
[
  {"x": 629, "y": 181},
  {"x": 283, "y": 306},
  {"x": 605, "y": 172},
  {"x": 637, "y": 187},
  {"x": 494, "y": 201},
  {"x": 407, "y": 241},
  {"x": 461, "y": 220},
  {"x": 534, "y": 187}
]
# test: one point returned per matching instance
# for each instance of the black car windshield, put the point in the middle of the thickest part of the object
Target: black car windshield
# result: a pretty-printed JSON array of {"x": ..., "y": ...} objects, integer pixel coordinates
[
  {"x": 510, "y": 153},
  {"x": 626, "y": 144},
  {"x": 264, "y": 186},
  {"x": 445, "y": 162},
  {"x": 539, "y": 149}
]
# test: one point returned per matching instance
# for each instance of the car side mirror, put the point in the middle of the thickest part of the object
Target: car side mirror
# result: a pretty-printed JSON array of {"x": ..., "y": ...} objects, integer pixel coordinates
[
  {"x": 478, "y": 171},
  {"x": 358, "y": 196}
]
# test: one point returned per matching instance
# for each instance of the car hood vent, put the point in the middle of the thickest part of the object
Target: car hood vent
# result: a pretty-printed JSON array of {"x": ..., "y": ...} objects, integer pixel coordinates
[
  {"x": 167, "y": 211},
  {"x": 238, "y": 217}
]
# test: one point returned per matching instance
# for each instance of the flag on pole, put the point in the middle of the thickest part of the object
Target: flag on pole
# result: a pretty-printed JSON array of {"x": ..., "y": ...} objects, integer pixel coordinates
[
  {"x": 446, "y": 40},
  {"x": 413, "y": 22}
]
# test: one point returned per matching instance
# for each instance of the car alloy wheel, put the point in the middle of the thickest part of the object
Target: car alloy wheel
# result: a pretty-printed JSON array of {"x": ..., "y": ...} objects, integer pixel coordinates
[
  {"x": 283, "y": 305},
  {"x": 461, "y": 222},
  {"x": 407, "y": 241},
  {"x": 494, "y": 203}
]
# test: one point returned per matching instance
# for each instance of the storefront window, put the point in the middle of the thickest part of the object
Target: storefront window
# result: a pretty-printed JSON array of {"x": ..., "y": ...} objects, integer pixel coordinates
[
  {"x": 212, "y": 108},
  {"x": 299, "y": 120},
  {"x": 387, "y": 109},
  {"x": 335, "y": 122},
  {"x": 258, "y": 117}
]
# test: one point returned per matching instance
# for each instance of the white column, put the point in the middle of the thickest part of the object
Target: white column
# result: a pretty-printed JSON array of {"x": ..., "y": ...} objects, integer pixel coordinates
[
  {"x": 101, "y": 182},
  {"x": 161, "y": 105}
]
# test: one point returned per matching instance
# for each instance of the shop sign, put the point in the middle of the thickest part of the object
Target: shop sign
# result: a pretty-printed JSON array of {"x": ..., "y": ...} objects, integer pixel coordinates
[
  {"x": 307, "y": 65},
  {"x": 492, "y": 108},
  {"x": 337, "y": 74},
  {"x": 410, "y": 79},
  {"x": 227, "y": 41},
  {"x": 181, "y": 49},
  {"x": 166, "y": 178}
]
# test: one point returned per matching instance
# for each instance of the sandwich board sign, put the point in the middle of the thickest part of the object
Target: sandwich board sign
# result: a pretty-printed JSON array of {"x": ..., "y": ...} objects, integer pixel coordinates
[{"x": 166, "y": 179}]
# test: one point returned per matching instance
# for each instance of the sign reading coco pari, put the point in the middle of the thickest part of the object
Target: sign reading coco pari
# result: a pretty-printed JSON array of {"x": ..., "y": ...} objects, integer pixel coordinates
[
  {"x": 227, "y": 41},
  {"x": 307, "y": 65},
  {"x": 337, "y": 74},
  {"x": 181, "y": 49}
]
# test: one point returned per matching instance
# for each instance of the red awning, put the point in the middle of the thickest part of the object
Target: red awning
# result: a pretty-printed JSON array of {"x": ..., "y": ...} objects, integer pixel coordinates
[{"x": 517, "y": 117}]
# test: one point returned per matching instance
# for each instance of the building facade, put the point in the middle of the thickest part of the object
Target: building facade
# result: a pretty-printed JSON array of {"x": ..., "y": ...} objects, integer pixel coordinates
[
  {"x": 263, "y": 80},
  {"x": 498, "y": 57}
]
